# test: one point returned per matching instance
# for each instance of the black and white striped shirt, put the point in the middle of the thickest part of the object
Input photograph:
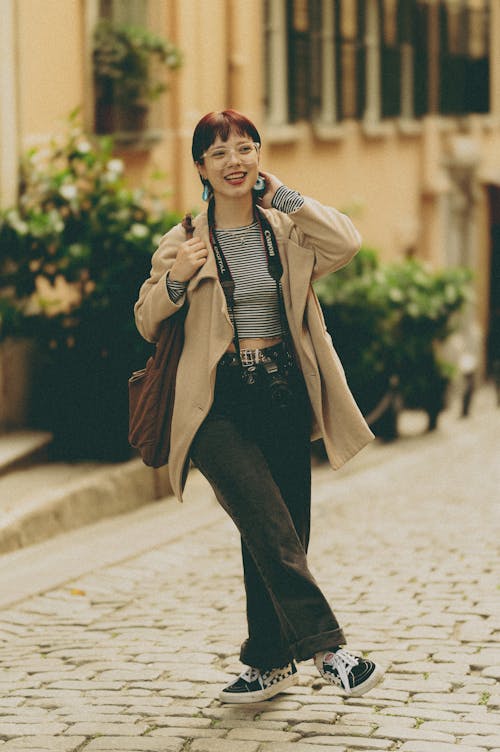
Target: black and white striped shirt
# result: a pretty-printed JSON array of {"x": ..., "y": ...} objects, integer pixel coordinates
[{"x": 256, "y": 305}]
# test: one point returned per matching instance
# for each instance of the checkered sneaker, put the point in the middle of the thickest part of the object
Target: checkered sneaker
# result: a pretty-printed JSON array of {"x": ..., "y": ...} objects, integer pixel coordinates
[
  {"x": 255, "y": 685},
  {"x": 354, "y": 675}
]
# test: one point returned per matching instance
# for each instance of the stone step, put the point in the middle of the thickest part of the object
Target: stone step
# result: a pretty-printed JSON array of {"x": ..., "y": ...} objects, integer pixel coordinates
[
  {"x": 22, "y": 447},
  {"x": 43, "y": 500}
]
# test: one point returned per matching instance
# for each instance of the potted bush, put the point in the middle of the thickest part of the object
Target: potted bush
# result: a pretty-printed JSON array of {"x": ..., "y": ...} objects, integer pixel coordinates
[
  {"x": 426, "y": 303},
  {"x": 130, "y": 66},
  {"x": 74, "y": 253},
  {"x": 16, "y": 353},
  {"x": 385, "y": 321}
]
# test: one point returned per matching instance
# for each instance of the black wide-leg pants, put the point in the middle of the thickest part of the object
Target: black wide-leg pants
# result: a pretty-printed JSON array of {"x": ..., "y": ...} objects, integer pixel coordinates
[{"x": 256, "y": 456}]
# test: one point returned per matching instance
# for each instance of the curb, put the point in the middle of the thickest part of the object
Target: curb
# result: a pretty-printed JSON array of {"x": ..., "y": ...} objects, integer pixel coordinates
[{"x": 102, "y": 493}]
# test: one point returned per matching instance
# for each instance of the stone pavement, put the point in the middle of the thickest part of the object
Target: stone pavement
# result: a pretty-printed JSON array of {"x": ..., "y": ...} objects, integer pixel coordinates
[{"x": 125, "y": 645}]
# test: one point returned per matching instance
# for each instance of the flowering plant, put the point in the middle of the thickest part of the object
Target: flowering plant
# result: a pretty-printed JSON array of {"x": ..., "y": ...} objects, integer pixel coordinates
[
  {"x": 74, "y": 252},
  {"x": 123, "y": 57},
  {"x": 77, "y": 221}
]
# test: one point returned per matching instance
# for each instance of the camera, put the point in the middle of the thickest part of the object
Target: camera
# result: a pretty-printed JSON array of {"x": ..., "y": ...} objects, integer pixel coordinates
[{"x": 276, "y": 382}]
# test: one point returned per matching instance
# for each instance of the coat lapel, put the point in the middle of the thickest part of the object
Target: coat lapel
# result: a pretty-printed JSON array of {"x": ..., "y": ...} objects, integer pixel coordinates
[{"x": 297, "y": 282}]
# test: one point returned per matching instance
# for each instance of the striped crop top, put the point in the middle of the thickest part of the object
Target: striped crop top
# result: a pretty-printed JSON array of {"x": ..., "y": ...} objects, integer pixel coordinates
[{"x": 256, "y": 305}]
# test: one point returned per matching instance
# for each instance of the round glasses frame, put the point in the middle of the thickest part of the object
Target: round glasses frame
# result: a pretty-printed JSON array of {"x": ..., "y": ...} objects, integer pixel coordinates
[{"x": 245, "y": 152}]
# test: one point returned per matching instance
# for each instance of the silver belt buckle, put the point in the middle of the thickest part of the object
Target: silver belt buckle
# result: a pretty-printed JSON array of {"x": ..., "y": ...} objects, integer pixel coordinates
[{"x": 250, "y": 357}]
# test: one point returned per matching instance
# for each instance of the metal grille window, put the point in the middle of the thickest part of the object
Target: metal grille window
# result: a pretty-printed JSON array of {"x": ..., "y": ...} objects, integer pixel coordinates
[
  {"x": 391, "y": 46},
  {"x": 464, "y": 68},
  {"x": 329, "y": 60},
  {"x": 351, "y": 70},
  {"x": 304, "y": 58}
]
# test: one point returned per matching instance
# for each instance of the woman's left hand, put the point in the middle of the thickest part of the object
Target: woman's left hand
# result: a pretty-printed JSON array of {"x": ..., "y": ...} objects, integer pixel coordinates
[{"x": 272, "y": 185}]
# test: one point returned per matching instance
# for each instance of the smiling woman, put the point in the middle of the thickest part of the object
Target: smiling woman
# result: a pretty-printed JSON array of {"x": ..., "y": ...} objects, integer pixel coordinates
[{"x": 257, "y": 378}]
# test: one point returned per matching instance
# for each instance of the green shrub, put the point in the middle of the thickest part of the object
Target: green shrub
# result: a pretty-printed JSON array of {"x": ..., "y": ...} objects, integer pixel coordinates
[
  {"x": 385, "y": 321},
  {"x": 78, "y": 222}
]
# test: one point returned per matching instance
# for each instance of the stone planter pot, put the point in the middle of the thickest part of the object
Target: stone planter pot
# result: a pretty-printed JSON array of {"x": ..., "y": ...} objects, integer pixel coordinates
[
  {"x": 113, "y": 118},
  {"x": 17, "y": 357}
]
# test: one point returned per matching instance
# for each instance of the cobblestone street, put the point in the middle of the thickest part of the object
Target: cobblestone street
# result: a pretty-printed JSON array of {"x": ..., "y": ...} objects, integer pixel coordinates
[{"x": 130, "y": 654}]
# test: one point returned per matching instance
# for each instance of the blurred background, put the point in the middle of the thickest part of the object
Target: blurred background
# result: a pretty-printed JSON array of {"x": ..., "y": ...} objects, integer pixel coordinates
[{"x": 387, "y": 109}]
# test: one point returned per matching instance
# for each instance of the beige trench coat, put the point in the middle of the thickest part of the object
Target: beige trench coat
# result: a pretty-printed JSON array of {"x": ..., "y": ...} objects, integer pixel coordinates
[{"x": 313, "y": 241}]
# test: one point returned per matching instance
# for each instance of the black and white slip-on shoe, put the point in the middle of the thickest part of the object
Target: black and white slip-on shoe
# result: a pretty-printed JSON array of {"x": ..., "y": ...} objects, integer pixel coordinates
[
  {"x": 354, "y": 675},
  {"x": 255, "y": 685}
]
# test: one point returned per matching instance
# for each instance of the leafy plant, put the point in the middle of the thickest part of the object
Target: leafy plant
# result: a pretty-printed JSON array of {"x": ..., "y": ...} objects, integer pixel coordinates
[
  {"x": 385, "y": 321},
  {"x": 130, "y": 63},
  {"x": 74, "y": 252}
]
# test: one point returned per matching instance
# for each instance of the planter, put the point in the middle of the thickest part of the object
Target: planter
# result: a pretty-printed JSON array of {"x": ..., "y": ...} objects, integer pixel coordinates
[
  {"x": 83, "y": 400},
  {"x": 104, "y": 117},
  {"x": 16, "y": 382},
  {"x": 132, "y": 119},
  {"x": 112, "y": 118}
]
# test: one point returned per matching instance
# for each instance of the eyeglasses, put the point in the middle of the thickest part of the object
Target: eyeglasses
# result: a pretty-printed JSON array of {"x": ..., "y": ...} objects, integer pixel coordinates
[{"x": 220, "y": 155}]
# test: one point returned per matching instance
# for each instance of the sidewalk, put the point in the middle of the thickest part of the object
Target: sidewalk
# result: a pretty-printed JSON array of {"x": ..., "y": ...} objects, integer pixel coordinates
[{"x": 119, "y": 635}]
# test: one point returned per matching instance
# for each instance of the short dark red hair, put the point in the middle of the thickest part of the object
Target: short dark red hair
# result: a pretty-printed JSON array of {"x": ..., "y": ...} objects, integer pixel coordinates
[{"x": 220, "y": 124}]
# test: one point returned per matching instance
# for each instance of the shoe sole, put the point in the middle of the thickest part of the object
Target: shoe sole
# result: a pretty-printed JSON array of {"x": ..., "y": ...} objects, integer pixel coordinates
[
  {"x": 262, "y": 694},
  {"x": 372, "y": 681}
]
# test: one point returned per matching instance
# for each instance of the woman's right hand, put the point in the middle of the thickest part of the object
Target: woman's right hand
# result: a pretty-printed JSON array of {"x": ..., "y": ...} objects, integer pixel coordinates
[{"x": 191, "y": 256}]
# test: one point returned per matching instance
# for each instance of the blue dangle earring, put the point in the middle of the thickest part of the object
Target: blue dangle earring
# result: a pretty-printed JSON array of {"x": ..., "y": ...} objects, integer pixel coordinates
[
  {"x": 260, "y": 187},
  {"x": 206, "y": 189}
]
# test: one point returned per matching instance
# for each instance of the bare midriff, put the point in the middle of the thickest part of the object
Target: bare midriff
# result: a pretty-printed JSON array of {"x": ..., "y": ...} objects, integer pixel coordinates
[{"x": 255, "y": 343}]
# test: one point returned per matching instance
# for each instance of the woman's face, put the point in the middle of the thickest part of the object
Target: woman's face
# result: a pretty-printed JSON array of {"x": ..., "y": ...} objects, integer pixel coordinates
[{"x": 231, "y": 166}]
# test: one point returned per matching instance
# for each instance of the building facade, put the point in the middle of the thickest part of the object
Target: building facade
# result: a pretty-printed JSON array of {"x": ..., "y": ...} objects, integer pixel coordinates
[{"x": 387, "y": 109}]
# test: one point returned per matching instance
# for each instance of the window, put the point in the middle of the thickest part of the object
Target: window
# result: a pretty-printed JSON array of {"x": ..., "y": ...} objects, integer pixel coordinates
[
  {"x": 126, "y": 102},
  {"x": 351, "y": 69},
  {"x": 392, "y": 31},
  {"x": 304, "y": 58},
  {"x": 329, "y": 60},
  {"x": 133, "y": 12},
  {"x": 464, "y": 70}
]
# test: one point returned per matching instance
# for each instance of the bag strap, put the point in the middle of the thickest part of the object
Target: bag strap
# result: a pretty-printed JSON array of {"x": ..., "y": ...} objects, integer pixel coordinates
[{"x": 187, "y": 223}]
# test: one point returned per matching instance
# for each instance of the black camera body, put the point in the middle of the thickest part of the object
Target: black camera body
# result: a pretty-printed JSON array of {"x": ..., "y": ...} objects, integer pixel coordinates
[{"x": 268, "y": 375}]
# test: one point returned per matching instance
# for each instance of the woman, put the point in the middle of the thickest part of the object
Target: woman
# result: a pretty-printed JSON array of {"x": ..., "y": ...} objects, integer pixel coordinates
[{"x": 258, "y": 377}]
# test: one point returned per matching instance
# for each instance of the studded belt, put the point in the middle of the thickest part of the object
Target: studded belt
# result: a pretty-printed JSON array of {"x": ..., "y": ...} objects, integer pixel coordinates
[{"x": 253, "y": 357}]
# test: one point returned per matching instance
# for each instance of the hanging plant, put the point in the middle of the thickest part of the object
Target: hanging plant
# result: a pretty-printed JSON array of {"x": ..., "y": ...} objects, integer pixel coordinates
[{"x": 130, "y": 66}]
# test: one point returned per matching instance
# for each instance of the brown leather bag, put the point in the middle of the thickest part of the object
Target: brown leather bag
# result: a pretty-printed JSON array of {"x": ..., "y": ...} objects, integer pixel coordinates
[{"x": 152, "y": 389}]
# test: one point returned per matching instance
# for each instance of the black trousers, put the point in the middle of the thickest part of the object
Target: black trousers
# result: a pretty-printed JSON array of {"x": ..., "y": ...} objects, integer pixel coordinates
[{"x": 256, "y": 456}]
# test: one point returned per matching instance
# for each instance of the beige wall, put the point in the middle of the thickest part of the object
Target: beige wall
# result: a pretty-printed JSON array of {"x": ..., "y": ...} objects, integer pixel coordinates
[
  {"x": 9, "y": 126},
  {"x": 51, "y": 75}
]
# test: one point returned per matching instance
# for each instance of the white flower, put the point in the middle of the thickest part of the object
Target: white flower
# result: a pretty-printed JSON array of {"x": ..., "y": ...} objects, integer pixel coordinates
[
  {"x": 83, "y": 147},
  {"x": 139, "y": 231},
  {"x": 17, "y": 224},
  {"x": 56, "y": 221},
  {"x": 68, "y": 191},
  {"x": 157, "y": 239},
  {"x": 395, "y": 294},
  {"x": 42, "y": 154},
  {"x": 115, "y": 166}
]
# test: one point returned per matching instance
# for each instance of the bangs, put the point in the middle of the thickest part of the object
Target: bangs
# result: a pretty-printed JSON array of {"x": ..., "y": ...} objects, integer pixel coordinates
[{"x": 221, "y": 124}]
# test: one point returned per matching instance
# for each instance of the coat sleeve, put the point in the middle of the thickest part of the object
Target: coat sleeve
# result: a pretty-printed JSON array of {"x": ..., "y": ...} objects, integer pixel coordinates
[
  {"x": 328, "y": 233},
  {"x": 154, "y": 304}
]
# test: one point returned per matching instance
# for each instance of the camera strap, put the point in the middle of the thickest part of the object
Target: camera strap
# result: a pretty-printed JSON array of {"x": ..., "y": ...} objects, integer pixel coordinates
[{"x": 274, "y": 265}]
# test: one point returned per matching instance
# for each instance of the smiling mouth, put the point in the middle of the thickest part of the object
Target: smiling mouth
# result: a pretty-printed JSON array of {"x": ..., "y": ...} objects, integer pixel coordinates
[{"x": 235, "y": 177}]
